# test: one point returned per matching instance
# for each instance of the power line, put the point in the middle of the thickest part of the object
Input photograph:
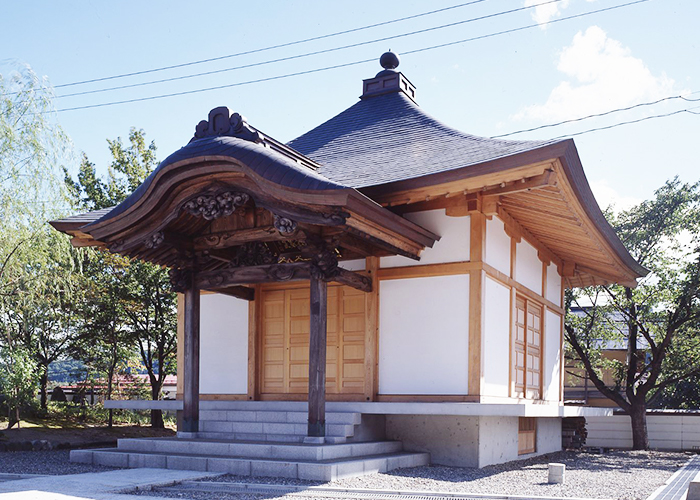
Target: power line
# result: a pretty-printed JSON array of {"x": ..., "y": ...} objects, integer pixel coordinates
[
  {"x": 289, "y": 75},
  {"x": 307, "y": 54},
  {"x": 620, "y": 124},
  {"x": 573, "y": 120},
  {"x": 271, "y": 47}
]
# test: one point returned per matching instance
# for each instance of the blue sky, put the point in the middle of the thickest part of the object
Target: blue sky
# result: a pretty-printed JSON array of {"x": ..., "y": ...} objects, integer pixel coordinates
[{"x": 495, "y": 85}]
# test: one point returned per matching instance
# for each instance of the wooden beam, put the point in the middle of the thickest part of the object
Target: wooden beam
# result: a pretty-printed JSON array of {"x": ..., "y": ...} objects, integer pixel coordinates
[
  {"x": 548, "y": 178},
  {"x": 226, "y": 239},
  {"x": 221, "y": 279},
  {"x": 317, "y": 358},
  {"x": 240, "y": 292},
  {"x": 354, "y": 280},
  {"x": 190, "y": 392},
  {"x": 489, "y": 205}
]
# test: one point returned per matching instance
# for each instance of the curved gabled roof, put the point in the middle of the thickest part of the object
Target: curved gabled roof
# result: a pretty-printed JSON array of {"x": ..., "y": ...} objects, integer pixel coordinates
[
  {"x": 388, "y": 138},
  {"x": 269, "y": 164}
]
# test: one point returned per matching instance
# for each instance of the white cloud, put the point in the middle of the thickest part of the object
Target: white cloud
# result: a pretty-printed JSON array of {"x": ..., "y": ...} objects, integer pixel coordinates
[
  {"x": 606, "y": 195},
  {"x": 547, "y": 10},
  {"x": 602, "y": 74}
]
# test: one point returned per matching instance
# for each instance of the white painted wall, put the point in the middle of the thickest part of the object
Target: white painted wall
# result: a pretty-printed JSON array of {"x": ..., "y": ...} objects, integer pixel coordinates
[
  {"x": 666, "y": 432},
  {"x": 424, "y": 335},
  {"x": 353, "y": 265},
  {"x": 497, "y": 246},
  {"x": 553, "y": 292},
  {"x": 528, "y": 267},
  {"x": 223, "y": 345},
  {"x": 453, "y": 245},
  {"x": 552, "y": 356},
  {"x": 496, "y": 338}
]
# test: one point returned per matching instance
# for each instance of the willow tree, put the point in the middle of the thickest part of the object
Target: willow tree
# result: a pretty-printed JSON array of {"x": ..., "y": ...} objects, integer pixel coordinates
[
  {"x": 658, "y": 321},
  {"x": 36, "y": 266}
]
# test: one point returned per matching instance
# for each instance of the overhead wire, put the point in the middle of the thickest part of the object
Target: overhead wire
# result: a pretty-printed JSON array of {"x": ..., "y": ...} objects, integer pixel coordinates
[
  {"x": 336, "y": 66},
  {"x": 596, "y": 115},
  {"x": 271, "y": 47},
  {"x": 307, "y": 54}
]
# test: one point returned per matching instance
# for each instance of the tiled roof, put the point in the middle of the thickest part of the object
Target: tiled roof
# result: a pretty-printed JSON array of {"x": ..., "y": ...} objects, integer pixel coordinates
[
  {"x": 265, "y": 162},
  {"x": 389, "y": 138}
]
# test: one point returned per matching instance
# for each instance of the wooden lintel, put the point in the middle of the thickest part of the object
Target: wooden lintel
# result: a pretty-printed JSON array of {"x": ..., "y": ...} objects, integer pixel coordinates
[
  {"x": 226, "y": 239},
  {"x": 458, "y": 200},
  {"x": 271, "y": 273},
  {"x": 354, "y": 280},
  {"x": 240, "y": 292}
]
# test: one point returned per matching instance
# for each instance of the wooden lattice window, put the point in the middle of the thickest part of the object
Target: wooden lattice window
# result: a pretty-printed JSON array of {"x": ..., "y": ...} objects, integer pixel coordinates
[
  {"x": 527, "y": 435},
  {"x": 527, "y": 349}
]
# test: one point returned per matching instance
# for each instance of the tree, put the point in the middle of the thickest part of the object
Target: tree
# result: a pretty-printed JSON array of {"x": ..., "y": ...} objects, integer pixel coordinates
[
  {"x": 143, "y": 290},
  {"x": 36, "y": 265},
  {"x": 658, "y": 320},
  {"x": 17, "y": 380}
]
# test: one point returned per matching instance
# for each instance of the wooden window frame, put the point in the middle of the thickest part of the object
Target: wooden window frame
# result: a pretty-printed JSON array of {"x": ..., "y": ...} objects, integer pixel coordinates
[{"x": 527, "y": 392}]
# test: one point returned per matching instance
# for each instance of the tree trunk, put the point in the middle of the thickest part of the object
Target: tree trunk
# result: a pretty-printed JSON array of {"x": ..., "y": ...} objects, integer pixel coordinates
[
  {"x": 110, "y": 376},
  {"x": 156, "y": 415},
  {"x": 43, "y": 385},
  {"x": 638, "y": 417}
]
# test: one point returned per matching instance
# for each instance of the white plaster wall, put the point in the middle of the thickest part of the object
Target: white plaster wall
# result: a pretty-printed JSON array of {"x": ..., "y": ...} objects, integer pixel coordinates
[
  {"x": 424, "y": 335},
  {"x": 528, "y": 267},
  {"x": 552, "y": 356},
  {"x": 453, "y": 245},
  {"x": 353, "y": 265},
  {"x": 497, "y": 246},
  {"x": 223, "y": 345},
  {"x": 553, "y": 292},
  {"x": 450, "y": 440},
  {"x": 666, "y": 432},
  {"x": 496, "y": 338}
]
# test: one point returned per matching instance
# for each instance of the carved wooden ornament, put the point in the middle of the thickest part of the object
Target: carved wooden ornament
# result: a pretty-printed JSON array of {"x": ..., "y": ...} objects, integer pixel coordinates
[{"x": 213, "y": 206}]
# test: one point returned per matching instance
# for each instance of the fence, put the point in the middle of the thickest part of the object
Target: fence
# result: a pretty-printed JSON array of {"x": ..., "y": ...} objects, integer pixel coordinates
[{"x": 667, "y": 431}]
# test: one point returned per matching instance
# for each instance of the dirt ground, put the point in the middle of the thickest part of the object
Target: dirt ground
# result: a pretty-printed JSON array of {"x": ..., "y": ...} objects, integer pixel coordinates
[{"x": 80, "y": 436}]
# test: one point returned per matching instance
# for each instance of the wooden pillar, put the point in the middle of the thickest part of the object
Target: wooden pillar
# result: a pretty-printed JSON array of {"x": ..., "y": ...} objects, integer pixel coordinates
[
  {"x": 190, "y": 389},
  {"x": 317, "y": 358}
]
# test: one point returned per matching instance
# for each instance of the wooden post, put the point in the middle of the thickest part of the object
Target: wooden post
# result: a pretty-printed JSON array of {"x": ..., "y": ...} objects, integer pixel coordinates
[
  {"x": 190, "y": 392},
  {"x": 317, "y": 357}
]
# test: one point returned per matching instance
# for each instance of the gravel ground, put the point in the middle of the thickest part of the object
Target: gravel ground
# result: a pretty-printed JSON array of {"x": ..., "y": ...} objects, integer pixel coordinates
[
  {"x": 620, "y": 475},
  {"x": 54, "y": 462}
]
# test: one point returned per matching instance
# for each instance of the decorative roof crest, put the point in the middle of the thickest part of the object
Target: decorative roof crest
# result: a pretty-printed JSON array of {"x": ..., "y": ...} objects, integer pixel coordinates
[{"x": 223, "y": 122}]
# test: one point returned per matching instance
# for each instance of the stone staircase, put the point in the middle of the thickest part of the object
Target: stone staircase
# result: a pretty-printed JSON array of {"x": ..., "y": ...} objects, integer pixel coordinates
[{"x": 266, "y": 440}]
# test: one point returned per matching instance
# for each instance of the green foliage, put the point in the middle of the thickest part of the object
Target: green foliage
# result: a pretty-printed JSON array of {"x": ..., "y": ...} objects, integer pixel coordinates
[
  {"x": 18, "y": 379},
  {"x": 130, "y": 303},
  {"x": 657, "y": 322}
]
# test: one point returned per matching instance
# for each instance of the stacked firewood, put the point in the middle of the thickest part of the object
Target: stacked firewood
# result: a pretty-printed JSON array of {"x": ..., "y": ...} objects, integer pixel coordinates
[{"x": 573, "y": 433}]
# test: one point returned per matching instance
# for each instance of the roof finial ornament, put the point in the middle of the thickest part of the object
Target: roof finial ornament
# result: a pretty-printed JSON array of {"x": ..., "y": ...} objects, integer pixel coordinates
[{"x": 389, "y": 61}]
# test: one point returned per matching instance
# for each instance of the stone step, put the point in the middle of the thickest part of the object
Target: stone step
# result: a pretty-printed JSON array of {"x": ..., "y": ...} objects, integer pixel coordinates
[
  {"x": 272, "y": 416},
  {"x": 278, "y": 451},
  {"x": 270, "y": 428},
  {"x": 273, "y": 438},
  {"x": 327, "y": 470}
]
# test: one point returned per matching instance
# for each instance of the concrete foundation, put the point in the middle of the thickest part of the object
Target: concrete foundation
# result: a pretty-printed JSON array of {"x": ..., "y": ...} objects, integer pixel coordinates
[{"x": 470, "y": 441}]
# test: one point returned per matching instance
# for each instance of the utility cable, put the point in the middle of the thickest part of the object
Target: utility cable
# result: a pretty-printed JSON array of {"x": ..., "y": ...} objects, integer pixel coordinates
[
  {"x": 573, "y": 120},
  {"x": 307, "y": 54},
  {"x": 271, "y": 47},
  {"x": 278, "y": 77},
  {"x": 620, "y": 124}
]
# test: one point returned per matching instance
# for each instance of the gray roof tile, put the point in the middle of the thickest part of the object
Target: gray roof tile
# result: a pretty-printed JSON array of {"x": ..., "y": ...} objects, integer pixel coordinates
[{"x": 389, "y": 138}]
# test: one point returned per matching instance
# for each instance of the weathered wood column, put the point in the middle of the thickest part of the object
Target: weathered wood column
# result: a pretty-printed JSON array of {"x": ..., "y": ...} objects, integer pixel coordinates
[
  {"x": 190, "y": 390},
  {"x": 317, "y": 357}
]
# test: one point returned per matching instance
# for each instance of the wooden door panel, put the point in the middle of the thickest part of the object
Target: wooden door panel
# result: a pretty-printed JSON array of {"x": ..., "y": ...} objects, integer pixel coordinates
[{"x": 285, "y": 341}]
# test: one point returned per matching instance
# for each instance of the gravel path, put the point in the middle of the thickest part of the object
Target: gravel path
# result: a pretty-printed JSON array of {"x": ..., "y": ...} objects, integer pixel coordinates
[
  {"x": 620, "y": 475},
  {"x": 53, "y": 463}
]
